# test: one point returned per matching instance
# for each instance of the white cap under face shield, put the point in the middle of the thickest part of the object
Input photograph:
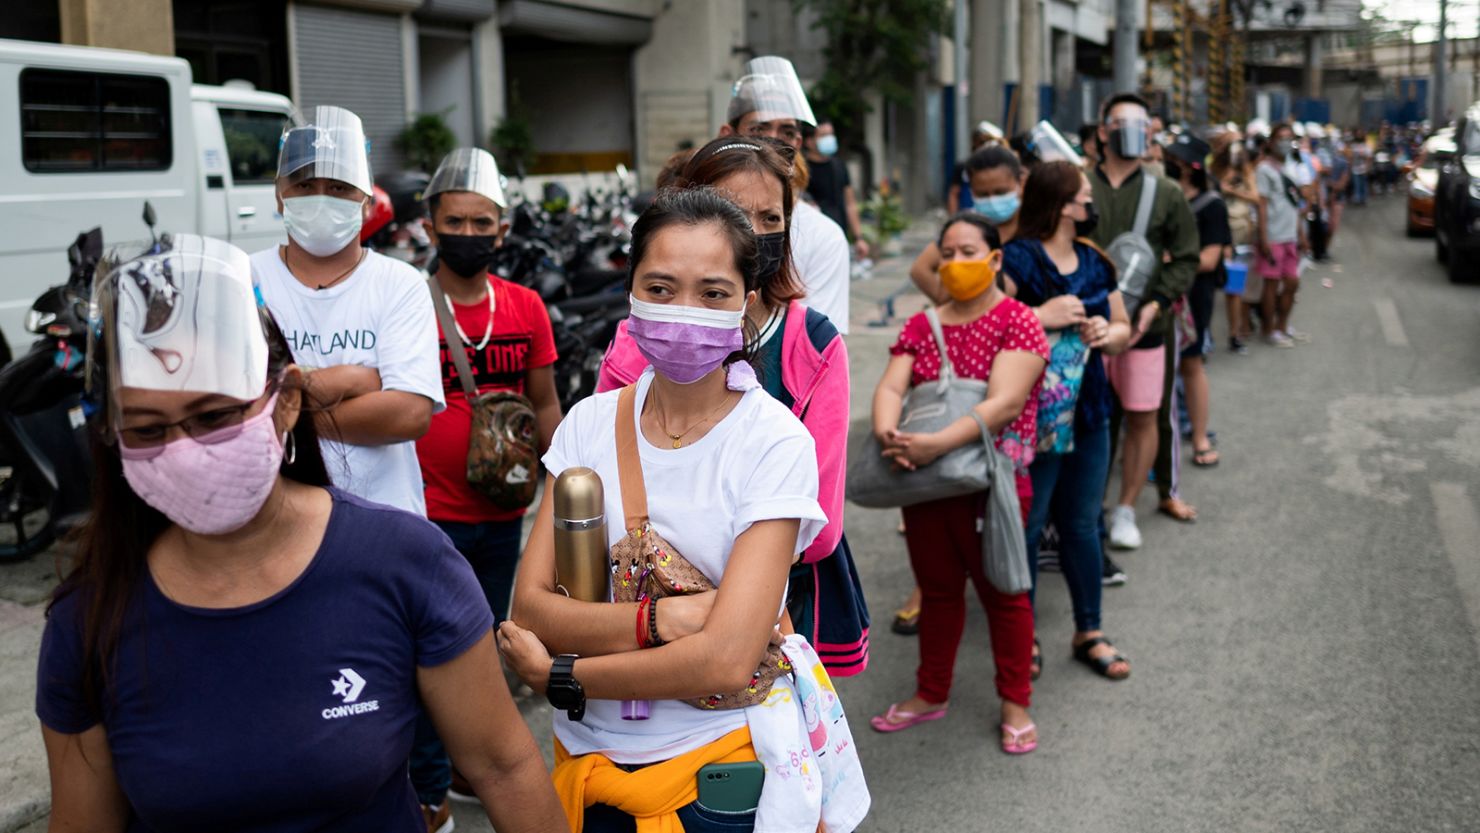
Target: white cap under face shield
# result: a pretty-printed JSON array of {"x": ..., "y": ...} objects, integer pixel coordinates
[
  {"x": 468, "y": 169},
  {"x": 185, "y": 319},
  {"x": 769, "y": 87},
  {"x": 332, "y": 146}
]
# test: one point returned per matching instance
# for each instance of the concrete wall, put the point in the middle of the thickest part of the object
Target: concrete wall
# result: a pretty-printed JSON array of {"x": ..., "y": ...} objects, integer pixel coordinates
[
  {"x": 682, "y": 78},
  {"x": 141, "y": 25}
]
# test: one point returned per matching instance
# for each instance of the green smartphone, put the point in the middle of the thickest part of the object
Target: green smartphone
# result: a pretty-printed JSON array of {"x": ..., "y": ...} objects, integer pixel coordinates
[{"x": 731, "y": 788}]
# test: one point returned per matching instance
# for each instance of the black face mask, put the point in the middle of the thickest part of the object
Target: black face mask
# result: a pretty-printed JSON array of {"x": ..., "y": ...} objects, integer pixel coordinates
[
  {"x": 1086, "y": 227},
  {"x": 771, "y": 251},
  {"x": 466, "y": 254},
  {"x": 1174, "y": 170}
]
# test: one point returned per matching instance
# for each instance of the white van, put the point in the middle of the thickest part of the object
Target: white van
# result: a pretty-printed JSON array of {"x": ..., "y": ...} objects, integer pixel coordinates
[{"x": 98, "y": 132}]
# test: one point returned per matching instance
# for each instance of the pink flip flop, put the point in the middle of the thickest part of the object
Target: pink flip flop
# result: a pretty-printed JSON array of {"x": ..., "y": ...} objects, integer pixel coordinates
[
  {"x": 1013, "y": 745},
  {"x": 897, "y": 719}
]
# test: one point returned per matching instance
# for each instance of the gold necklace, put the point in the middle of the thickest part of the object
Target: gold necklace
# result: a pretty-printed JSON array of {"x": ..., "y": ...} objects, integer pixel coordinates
[{"x": 678, "y": 438}]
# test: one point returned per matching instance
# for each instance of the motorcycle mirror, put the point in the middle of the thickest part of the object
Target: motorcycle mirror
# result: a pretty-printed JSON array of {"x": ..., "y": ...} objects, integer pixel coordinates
[{"x": 149, "y": 220}]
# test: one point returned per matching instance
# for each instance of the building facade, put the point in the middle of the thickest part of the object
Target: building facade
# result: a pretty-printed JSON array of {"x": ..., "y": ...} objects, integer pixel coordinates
[{"x": 596, "y": 83}]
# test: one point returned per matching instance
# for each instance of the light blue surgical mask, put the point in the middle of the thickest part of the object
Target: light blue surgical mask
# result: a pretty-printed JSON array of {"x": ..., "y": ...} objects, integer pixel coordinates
[
  {"x": 827, "y": 145},
  {"x": 998, "y": 209}
]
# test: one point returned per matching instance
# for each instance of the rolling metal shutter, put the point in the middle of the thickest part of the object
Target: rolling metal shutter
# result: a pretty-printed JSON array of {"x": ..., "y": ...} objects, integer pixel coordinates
[{"x": 354, "y": 60}]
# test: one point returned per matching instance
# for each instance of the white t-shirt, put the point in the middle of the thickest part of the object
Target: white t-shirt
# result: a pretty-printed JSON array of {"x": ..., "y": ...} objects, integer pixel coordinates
[
  {"x": 380, "y": 316},
  {"x": 757, "y": 464},
  {"x": 819, "y": 252}
]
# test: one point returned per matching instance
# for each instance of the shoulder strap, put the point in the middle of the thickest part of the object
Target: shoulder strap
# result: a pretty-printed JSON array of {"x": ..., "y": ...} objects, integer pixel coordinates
[
  {"x": 449, "y": 334},
  {"x": 1148, "y": 199},
  {"x": 946, "y": 371},
  {"x": 1203, "y": 200},
  {"x": 629, "y": 461}
]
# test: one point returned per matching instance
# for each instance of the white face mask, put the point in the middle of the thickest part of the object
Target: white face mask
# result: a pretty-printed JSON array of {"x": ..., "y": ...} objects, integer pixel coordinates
[{"x": 322, "y": 225}]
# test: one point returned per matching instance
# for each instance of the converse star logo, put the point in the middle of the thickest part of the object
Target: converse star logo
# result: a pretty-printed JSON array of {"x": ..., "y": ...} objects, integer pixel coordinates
[{"x": 348, "y": 686}]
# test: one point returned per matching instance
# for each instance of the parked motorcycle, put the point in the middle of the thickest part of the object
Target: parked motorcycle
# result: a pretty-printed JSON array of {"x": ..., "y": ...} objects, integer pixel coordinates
[{"x": 44, "y": 458}]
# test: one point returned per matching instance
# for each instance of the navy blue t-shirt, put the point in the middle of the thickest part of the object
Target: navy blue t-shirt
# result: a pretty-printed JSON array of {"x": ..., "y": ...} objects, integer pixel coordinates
[
  {"x": 292, "y": 714},
  {"x": 1038, "y": 280}
]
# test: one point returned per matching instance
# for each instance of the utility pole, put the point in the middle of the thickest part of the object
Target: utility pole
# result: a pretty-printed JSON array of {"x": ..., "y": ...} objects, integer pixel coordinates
[
  {"x": 959, "y": 38},
  {"x": 1030, "y": 45},
  {"x": 1437, "y": 115},
  {"x": 1124, "y": 46}
]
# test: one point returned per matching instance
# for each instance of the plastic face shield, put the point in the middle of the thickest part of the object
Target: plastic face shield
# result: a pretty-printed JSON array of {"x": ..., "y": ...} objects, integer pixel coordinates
[
  {"x": 769, "y": 87},
  {"x": 468, "y": 169},
  {"x": 1050, "y": 145},
  {"x": 1130, "y": 136},
  {"x": 333, "y": 146},
  {"x": 185, "y": 319}
]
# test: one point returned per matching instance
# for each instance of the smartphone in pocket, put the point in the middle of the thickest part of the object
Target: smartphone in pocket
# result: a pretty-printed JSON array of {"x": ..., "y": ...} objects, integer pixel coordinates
[{"x": 731, "y": 788}]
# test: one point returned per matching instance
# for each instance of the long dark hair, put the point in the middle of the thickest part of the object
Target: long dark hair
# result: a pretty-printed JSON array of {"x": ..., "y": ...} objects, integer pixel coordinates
[
  {"x": 699, "y": 206},
  {"x": 1050, "y": 187},
  {"x": 112, "y": 548},
  {"x": 730, "y": 155}
]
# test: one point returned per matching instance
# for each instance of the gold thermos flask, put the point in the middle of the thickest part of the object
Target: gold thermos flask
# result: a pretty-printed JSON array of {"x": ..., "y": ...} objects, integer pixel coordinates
[{"x": 582, "y": 569}]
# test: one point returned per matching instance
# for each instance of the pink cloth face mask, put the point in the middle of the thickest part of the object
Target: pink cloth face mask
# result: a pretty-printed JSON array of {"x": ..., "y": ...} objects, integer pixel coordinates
[
  {"x": 685, "y": 344},
  {"x": 205, "y": 487}
]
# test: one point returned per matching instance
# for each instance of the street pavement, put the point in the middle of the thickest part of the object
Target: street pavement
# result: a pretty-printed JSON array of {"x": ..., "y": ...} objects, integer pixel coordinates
[{"x": 1306, "y": 656}]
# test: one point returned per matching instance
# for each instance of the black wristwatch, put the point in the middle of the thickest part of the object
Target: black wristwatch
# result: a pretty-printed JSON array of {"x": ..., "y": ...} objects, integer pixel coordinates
[{"x": 564, "y": 690}]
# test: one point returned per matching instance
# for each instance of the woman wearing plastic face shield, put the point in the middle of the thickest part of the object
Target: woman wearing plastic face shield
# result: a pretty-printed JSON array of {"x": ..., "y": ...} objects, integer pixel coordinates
[
  {"x": 993, "y": 338},
  {"x": 997, "y": 177},
  {"x": 222, "y": 617},
  {"x": 730, "y": 484},
  {"x": 802, "y": 362}
]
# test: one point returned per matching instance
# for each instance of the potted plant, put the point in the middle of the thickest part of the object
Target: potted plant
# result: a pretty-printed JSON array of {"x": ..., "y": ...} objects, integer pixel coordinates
[
  {"x": 426, "y": 140},
  {"x": 884, "y": 220}
]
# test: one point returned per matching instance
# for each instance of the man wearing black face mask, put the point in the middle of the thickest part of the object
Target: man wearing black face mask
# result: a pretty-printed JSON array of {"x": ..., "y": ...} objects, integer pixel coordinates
[
  {"x": 504, "y": 333},
  {"x": 1141, "y": 376}
]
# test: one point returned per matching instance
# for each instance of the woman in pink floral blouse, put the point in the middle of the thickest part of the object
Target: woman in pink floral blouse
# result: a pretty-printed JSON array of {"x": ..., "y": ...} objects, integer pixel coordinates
[{"x": 991, "y": 337}]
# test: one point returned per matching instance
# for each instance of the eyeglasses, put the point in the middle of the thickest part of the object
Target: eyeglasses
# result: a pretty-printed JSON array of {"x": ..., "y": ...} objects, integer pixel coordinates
[
  {"x": 773, "y": 130},
  {"x": 208, "y": 428}
]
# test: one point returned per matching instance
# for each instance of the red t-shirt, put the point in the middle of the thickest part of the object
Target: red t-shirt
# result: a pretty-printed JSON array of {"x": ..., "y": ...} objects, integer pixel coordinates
[
  {"x": 521, "y": 341},
  {"x": 1010, "y": 325}
]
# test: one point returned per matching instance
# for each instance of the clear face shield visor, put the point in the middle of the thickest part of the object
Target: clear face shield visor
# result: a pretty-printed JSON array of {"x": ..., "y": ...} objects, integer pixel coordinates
[
  {"x": 333, "y": 146},
  {"x": 1050, "y": 145},
  {"x": 183, "y": 320},
  {"x": 770, "y": 89},
  {"x": 1129, "y": 136},
  {"x": 468, "y": 169}
]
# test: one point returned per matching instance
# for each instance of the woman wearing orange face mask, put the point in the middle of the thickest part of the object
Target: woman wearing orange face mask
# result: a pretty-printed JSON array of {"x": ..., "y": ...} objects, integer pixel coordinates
[{"x": 991, "y": 337}]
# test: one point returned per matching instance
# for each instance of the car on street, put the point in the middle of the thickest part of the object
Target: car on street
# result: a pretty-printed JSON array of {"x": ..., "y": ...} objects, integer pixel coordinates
[
  {"x": 1457, "y": 202},
  {"x": 1423, "y": 181}
]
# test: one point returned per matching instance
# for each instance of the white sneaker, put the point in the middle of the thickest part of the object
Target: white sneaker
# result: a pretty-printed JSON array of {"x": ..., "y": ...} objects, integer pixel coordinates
[
  {"x": 1279, "y": 339},
  {"x": 1297, "y": 336},
  {"x": 1124, "y": 535}
]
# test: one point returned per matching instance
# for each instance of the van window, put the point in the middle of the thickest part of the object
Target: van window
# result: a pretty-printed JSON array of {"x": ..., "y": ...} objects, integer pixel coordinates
[
  {"x": 88, "y": 121},
  {"x": 252, "y": 138}
]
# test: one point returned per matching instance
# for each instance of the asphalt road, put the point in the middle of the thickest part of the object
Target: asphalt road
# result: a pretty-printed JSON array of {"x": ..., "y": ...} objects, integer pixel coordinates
[{"x": 1306, "y": 656}]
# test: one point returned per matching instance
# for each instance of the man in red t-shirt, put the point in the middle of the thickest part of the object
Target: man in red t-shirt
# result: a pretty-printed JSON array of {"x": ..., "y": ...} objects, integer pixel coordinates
[{"x": 504, "y": 331}]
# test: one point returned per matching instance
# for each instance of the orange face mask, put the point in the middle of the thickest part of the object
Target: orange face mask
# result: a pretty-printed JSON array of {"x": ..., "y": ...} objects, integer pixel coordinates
[{"x": 966, "y": 279}]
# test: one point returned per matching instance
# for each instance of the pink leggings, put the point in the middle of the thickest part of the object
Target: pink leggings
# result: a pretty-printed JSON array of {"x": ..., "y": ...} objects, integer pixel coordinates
[{"x": 945, "y": 550}]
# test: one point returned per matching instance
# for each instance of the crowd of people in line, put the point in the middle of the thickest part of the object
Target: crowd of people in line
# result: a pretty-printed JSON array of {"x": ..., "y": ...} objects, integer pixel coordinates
[{"x": 304, "y": 566}]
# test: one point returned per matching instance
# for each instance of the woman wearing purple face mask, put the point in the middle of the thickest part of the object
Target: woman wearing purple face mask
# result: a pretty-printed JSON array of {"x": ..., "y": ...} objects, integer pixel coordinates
[
  {"x": 222, "y": 576},
  {"x": 802, "y": 362},
  {"x": 731, "y": 485}
]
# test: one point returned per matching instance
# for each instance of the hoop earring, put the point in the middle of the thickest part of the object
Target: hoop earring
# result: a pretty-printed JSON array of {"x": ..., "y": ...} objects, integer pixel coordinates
[{"x": 290, "y": 444}]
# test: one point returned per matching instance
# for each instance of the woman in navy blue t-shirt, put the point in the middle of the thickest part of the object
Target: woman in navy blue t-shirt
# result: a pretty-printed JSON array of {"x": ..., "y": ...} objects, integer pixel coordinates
[
  {"x": 1071, "y": 286},
  {"x": 240, "y": 646}
]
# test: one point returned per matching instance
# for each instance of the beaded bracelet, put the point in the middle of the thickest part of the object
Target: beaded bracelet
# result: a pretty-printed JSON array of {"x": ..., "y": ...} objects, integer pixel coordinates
[{"x": 654, "y": 640}]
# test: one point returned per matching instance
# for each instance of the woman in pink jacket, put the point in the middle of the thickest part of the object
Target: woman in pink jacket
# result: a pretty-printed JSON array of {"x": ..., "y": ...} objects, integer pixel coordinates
[{"x": 801, "y": 361}]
